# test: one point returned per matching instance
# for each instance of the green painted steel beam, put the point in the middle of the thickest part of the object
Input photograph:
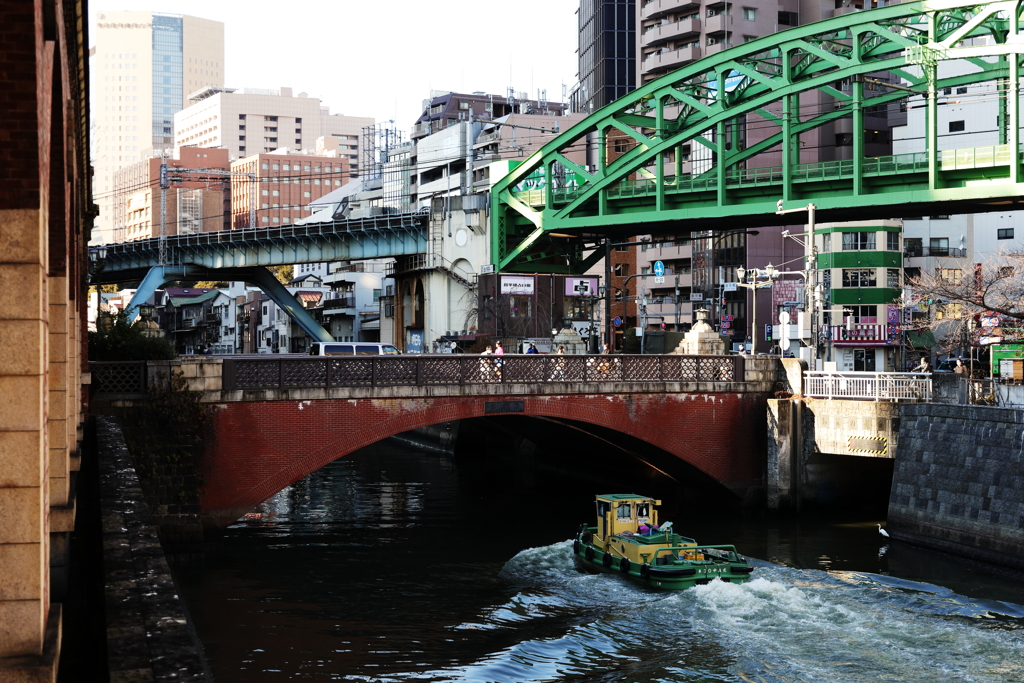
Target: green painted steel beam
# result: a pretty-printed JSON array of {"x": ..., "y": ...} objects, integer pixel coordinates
[{"x": 773, "y": 79}]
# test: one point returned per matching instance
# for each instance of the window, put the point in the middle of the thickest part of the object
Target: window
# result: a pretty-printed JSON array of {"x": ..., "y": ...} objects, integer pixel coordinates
[
  {"x": 956, "y": 126},
  {"x": 623, "y": 512},
  {"x": 961, "y": 91},
  {"x": 944, "y": 310},
  {"x": 858, "y": 241},
  {"x": 861, "y": 314},
  {"x": 827, "y": 242},
  {"x": 621, "y": 270},
  {"x": 892, "y": 278},
  {"x": 938, "y": 246},
  {"x": 749, "y": 13},
  {"x": 1004, "y": 233},
  {"x": 949, "y": 276},
  {"x": 859, "y": 277},
  {"x": 519, "y": 305},
  {"x": 892, "y": 241},
  {"x": 266, "y": 192},
  {"x": 789, "y": 19}
]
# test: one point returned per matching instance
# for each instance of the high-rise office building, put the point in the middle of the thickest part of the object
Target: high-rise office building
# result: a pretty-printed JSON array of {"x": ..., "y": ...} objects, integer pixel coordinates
[
  {"x": 607, "y": 53},
  {"x": 144, "y": 65},
  {"x": 256, "y": 121}
]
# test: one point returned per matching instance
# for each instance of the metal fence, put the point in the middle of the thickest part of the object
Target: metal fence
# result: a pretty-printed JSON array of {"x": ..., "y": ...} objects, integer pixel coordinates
[
  {"x": 875, "y": 386},
  {"x": 460, "y": 369}
]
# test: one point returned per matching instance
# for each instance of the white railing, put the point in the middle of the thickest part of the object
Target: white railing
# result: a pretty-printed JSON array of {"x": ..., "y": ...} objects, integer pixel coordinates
[{"x": 873, "y": 386}]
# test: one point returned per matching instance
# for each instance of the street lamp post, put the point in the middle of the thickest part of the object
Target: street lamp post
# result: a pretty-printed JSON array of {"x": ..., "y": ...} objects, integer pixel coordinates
[{"x": 770, "y": 274}]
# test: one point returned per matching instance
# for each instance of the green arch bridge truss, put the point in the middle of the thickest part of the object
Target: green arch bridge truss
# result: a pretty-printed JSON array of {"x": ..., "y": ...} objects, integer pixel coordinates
[{"x": 785, "y": 87}]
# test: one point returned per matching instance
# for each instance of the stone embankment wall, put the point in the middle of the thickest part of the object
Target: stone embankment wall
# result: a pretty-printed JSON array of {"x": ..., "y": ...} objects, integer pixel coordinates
[
  {"x": 148, "y": 633},
  {"x": 958, "y": 483}
]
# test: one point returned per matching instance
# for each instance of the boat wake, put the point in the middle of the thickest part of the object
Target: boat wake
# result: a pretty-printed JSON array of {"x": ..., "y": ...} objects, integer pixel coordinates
[{"x": 785, "y": 625}]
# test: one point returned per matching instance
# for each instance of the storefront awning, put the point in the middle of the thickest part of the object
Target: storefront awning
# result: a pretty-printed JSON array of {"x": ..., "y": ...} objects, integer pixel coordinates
[{"x": 921, "y": 339}]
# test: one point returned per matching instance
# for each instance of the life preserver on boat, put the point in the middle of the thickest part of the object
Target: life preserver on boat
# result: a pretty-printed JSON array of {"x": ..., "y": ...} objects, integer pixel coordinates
[
  {"x": 590, "y": 552},
  {"x": 624, "y": 565},
  {"x": 576, "y": 547},
  {"x": 607, "y": 559},
  {"x": 645, "y": 571},
  {"x": 587, "y": 537}
]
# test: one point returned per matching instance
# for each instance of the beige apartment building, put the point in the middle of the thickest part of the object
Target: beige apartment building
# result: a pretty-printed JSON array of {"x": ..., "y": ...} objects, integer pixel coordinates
[
  {"x": 142, "y": 66},
  {"x": 285, "y": 186},
  {"x": 251, "y": 121},
  {"x": 197, "y": 200}
]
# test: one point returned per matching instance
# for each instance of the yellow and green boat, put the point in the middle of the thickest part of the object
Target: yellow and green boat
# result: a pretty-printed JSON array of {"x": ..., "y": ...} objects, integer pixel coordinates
[{"x": 629, "y": 540}]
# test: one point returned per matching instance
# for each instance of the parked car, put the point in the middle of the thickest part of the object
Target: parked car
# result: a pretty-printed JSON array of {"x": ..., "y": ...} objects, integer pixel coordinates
[
  {"x": 352, "y": 349},
  {"x": 949, "y": 364}
]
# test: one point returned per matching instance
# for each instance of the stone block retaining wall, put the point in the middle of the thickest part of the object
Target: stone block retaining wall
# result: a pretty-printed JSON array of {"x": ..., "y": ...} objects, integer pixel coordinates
[{"x": 958, "y": 483}]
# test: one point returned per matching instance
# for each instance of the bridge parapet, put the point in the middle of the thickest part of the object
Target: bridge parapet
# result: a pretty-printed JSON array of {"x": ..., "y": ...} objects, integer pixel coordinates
[{"x": 302, "y": 377}]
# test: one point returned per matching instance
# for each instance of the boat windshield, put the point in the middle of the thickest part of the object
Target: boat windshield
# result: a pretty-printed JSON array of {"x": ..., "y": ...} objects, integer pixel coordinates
[{"x": 623, "y": 511}]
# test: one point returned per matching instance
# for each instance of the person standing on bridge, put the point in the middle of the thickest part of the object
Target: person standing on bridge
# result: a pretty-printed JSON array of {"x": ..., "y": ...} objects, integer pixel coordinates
[
  {"x": 487, "y": 364},
  {"x": 559, "y": 370}
]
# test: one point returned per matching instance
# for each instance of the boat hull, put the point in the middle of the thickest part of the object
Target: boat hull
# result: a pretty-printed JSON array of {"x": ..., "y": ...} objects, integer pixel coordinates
[{"x": 679, "y": 575}]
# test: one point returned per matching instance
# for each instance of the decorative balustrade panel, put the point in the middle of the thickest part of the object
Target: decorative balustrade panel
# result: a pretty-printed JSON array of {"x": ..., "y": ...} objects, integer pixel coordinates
[
  {"x": 117, "y": 377},
  {"x": 456, "y": 369}
]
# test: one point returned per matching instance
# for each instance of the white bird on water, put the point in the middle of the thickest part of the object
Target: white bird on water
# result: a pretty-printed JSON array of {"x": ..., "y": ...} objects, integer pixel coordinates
[{"x": 883, "y": 531}]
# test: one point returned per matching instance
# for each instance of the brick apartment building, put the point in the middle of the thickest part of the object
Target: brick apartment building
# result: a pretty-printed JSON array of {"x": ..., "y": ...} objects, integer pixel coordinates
[{"x": 285, "y": 186}]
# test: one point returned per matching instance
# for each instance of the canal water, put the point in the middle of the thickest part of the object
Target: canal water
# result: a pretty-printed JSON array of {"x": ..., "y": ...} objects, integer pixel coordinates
[{"x": 398, "y": 563}]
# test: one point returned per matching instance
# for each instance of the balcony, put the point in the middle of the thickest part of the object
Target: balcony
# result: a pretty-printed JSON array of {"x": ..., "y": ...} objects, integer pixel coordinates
[
  {"x": 716, "y": 25},
  {"x": 927, "y": 252},
  {"x": 665, "y": 306},
  {"x": 656, "y": 9},
  {"x": 862, "y": 334},
  {"x": 348, "y": 301},
  {"x": 663, "y": 33},
  {"x": 666, "y": 60}
]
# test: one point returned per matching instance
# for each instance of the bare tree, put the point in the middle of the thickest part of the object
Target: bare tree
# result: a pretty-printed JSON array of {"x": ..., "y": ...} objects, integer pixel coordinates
[{"x": 953, "y": 300}]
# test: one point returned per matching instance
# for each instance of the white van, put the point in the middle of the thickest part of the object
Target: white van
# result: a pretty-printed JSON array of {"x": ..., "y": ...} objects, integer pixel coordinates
[{"x": 352, "y": 349}]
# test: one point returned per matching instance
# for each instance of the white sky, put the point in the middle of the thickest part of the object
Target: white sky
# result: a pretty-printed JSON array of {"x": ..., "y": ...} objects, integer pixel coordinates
[{"x": 381, "y": 58}]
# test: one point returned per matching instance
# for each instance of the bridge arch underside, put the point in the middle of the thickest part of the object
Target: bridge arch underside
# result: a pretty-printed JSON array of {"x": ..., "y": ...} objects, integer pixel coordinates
[
  {"x": 715, "y": 144},
  {"x": 262, "y": 447}
]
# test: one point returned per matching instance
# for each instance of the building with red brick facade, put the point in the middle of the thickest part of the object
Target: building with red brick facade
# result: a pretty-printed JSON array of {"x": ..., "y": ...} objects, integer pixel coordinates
[{"x": 284, "y": 187}]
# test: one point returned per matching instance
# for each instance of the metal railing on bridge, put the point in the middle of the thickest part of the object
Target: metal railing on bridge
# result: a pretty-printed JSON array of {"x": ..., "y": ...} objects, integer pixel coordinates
[
  {"x": 873, "y": 386},
  {"x": 461, "y": 369}
]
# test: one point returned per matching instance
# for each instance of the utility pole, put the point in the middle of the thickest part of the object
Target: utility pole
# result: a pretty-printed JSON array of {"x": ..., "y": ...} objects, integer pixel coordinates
[
  {"x": 164, "y": 184},
  {"x": 812, "y": 296}
]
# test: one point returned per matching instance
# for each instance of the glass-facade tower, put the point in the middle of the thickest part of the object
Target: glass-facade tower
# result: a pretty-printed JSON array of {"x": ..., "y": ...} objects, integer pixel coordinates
[
  {"x": 167, "y": 77},
  {"x": 607, "y": 53}
]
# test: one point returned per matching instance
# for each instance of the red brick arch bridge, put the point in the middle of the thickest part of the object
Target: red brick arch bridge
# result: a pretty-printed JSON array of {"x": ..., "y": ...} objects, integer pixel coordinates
[{"x": 280, "y": 418}]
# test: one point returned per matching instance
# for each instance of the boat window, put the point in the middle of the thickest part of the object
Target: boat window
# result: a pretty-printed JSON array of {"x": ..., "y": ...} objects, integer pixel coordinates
[
  {"x": 603, "y": 508},
  {"x": 643, "y": 509},
  {"x": 623, "y": 511}
]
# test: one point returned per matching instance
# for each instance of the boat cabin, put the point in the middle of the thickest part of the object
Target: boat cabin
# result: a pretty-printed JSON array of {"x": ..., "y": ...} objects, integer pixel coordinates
[{"x": 620, "y": 512}]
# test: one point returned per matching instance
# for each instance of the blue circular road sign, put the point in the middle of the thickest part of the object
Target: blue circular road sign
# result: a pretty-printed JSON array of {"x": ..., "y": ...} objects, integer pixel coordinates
[
  {"x": 617, "y": 321},
  {"x": 659, "y": 268}
]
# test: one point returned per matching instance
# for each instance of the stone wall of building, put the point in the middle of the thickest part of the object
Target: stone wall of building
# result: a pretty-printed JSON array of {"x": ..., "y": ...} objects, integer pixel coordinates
[{"x": 958, "y": 483}]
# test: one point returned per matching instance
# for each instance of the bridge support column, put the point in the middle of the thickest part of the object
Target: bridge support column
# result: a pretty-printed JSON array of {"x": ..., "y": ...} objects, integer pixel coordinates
[
  {"x": 785, "y": 454},
  {"x": 158, "y": 276}
]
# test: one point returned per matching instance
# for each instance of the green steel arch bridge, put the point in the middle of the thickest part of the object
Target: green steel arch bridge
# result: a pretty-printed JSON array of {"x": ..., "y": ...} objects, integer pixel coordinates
[{"x": 644, "y": 190}]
